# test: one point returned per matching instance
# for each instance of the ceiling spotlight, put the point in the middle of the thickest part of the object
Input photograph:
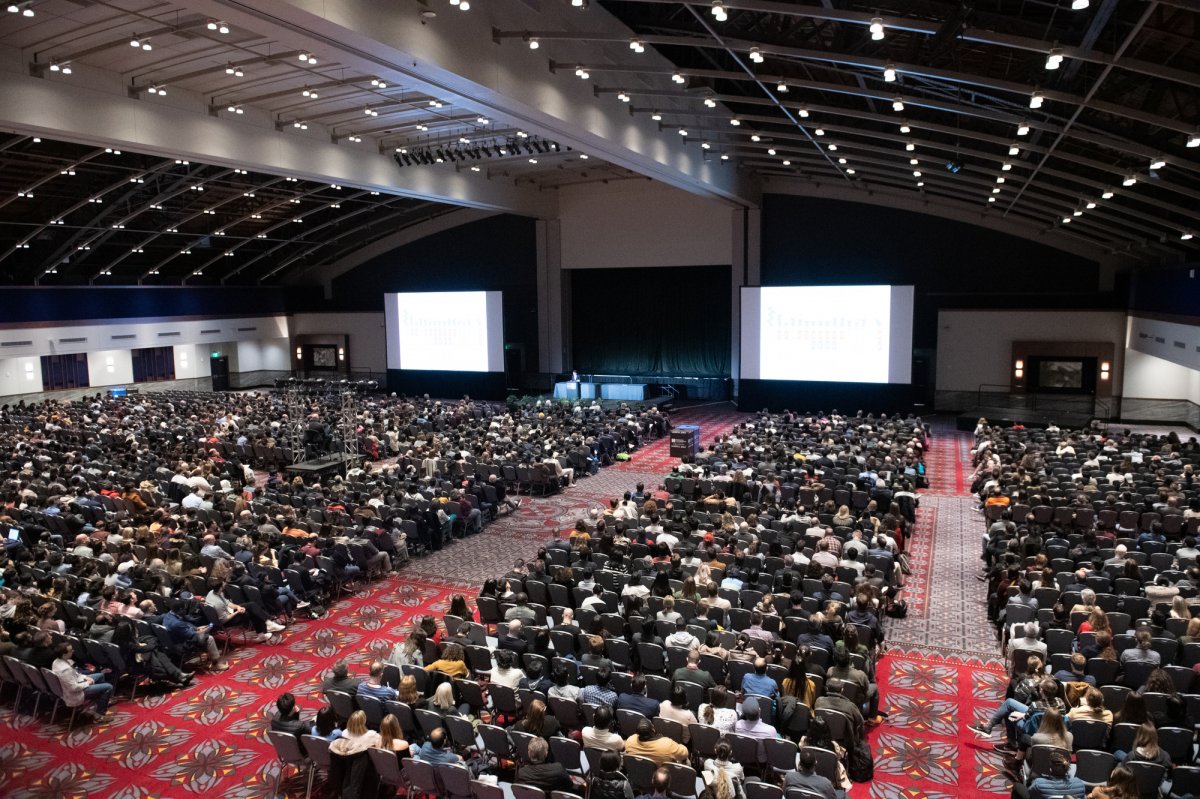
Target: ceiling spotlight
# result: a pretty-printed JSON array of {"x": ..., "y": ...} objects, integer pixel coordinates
[
  {"x": 1158, "y": 162},
  {"x": 419, "y": 126},
  {"x": 234, "y": 109},
  {"x": 1054, "y": 59},
  {"x": 755, "y": 137},
  {"x": 832, "y": 148},
  {"x": 920, "y": 183},
  {"x": 802, "y": 111},
  {"x": 222, "y": 27},
  {"x": 309, "y": 93},
  {"x": 1036, "y": 99},
  {"x": 953, "y": 165},
  {"x": 1129, "y": 180},
  {"x": 841, "y": 160},
  {"x": 378, "y": 84},
  {"x": 159, "y": 90},
  {"x": 533, "y": 160},
  {"x": 1090, "y": 204},
  {"x": 889, "y": 73},
  {"x": 898, "y": 103},
  {"x": 724, "y": 156},
  {"x": 1022, "y": 128},
  {"x": 64, "y": 68},
  {"x": 683, "y": 132},
  {"x": 577, "y": 3},
  {"x": 534, "y": 44},
  {"x": 1066, "y": 220},
  {"x": 135, "y": 42},
  {"x": 1107, "y": 194},
  {"x": 463, "y": 140},
  {"x": 522, "y": 134},
  {"x": 710, "y": 101},
  {"x": 771, "y": 151},
  {"x": 308, "y": 58},
  {"x": 474, "y": 169},
  {"x": 705, "y": 145},
  {"x": 1185, "y": 236},
  {"x": 996, "y": 190},
  {"x": 1193, "y": 140},
  {"x": 1079, "y": 5},
  {"x": 781, "y": 87},
  {"x": 636, "y": 46},
  {"x": 735, "y": 122},
  {"x": 786, "y": 162},
  {"x": 819, "y": 131},
  {"x": 582, "y": 73},
  {"x": 915, "y": 161},
  {"x": 464, "y": 5},
  {"x": 851, "y": 172},
  {"x": 371, "y": 112},
  {"x": 1013, "y": 149},
  {"x": 1077, "y": 212},
  {"x": 756, "y": 55},
  {"x": 583, "y": 156},
  {"x": 1006, "y": 167},
  {"x": 300, "y": 124},
  {"x": 876, "y": 28},
  {"x": 1000, "y": 179},
  {"x": 657, "y": 117},
  {"x": 623, "y": 97},
  {"x": 353, "y": 138},
  {"x": 678, "y": 78},
  {"x": 230, "y": 69},
  {"x": 910, "y": 146},
  {"x": 916, "y": 173},
  {"x": 718, "y": 11}
]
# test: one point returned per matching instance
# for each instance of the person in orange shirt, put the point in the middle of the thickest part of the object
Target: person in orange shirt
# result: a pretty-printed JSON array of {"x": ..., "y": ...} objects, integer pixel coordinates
[{"x": 997, "y": 498}]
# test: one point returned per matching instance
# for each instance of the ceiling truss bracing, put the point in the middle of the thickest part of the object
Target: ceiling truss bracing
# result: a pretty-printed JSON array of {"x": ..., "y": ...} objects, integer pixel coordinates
[
  {"x": 1110, "y": 159},
  {"x": 1123, "y": 97}
]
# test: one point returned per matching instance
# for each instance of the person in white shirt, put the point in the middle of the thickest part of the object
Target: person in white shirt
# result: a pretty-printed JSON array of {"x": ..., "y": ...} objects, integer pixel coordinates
[
  {"x": 196, "y": 500},
  {"x": 78, "y": 686},
  {"x": 600, "y": 734},
  {"x": 667, "y": 538},
  {"x": 505, "y": 673}
]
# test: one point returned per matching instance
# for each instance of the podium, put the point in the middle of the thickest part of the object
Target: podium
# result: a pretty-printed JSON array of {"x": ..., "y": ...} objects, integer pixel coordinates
[
  {"x": 685, "y": 440},
  {"x": 572, "y": 390}
]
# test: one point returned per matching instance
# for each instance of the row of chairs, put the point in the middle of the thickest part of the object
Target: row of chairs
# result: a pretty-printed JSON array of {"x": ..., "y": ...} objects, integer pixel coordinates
[{"x": 41, "y": 682}]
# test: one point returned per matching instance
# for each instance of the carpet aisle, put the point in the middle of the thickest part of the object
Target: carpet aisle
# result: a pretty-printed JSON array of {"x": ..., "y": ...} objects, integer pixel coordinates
[{"x": 941, "y": 670}]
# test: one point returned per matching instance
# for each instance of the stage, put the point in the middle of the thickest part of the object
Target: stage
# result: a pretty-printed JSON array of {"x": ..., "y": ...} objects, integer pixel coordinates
[{"x": 333, "y": 463}]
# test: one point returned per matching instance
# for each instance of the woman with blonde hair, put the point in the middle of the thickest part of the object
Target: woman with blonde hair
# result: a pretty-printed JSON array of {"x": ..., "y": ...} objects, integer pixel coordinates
[
  {"x": 1192, "y": 634},
  {"x": 1180, "y": 609},
  {"x": 442, "y": 701},
  {"x": 356, "y": 737}
]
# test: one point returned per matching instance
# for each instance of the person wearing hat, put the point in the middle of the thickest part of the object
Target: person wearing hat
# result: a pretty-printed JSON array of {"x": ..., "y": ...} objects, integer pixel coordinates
[{"x": 752, "y": 725}]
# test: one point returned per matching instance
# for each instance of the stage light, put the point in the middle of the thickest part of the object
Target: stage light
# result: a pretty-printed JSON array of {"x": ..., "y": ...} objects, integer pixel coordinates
[
  {"x": 851, "y": 172},
  {"x": 832, "y": 148},
  {"x": 1080, "y": 5},
  {"x": 889, "y": 73},
  {"x": 803, "y": 111},
  {"x": 1194, "y": 139},
  {"x": 1066, "y": 220},
  {"x": 1054, "y": 59},
  {"x": 770, "y": 151},
  {"x": 309, "y": 93},
  {"x": 819, "y": 131},
  {"x": 1035, "y": 100},
  {"x": 996, "y": 190},
  {"x": 657, "y": 117},
  {"x": 904, "y": 128},
  {"x": 735, "y": 122},
  {"x": 534, "y": 44},
  {"x": 781, "y": 87},
  {"x": 1129, "y": 180},
  {"x": 705, "y": 145},
  {"x": 910, "y": 146},
  {"x": 1158, "y": 162},
  {"x": 1022, "y": 128},
  {"x": 1000, "y": 179},
  {"x": 683, "y": 132},
  {"x": 718, "y": 11},
  {"x": 636, "y": 46},
  {"x": 1185, "y": 236},
  {"x": 710, "y": 101},
  {"x": 755, "y": 137},
  {"x": 916, "y": 173},
  {"x": 308, "y": 58},
  {"x": 678, "y": 78},
  {"x": 582, "y": 73},
  {"x": 1090, "y": 204},
  {"x": 1006, "y": 167},
  {"x": 724, "y": 156},
  {"x": 159, "y": 90},
  {"x": 876, "y": 28},
  {"x": 533, "y": 160},
  {"x": 756, "y": 55},
  {"x": 913, "y": 161},
  {"x": 842, "y": 161},
  {"x": 1107, "y": 195},
  {"x": 623, "y": 97},
  {"x": 898, "y": 104},
  {"x": 1013, "y": 149}
]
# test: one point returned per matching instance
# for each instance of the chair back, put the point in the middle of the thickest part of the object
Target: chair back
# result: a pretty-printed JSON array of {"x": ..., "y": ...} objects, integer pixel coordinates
[
  {"x": 762, "y": 790},
  {"x": 387, "y": 766},
  {"x": 342, "y": 704},
  {"x": 455, "y": 779},
  {"x": 287, "y": 747},
  {"x": 317, "y": 749},
  {"x": 527, "y": 792},
  {"x": 640, "y": 771},
  {"x": 421, "y": 776},
  {"x": 1039, "y": 759}
]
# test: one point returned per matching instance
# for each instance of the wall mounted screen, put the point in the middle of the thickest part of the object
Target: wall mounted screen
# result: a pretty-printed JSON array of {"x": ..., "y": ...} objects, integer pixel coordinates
[
  {"x": 445, "y": 331},
  {"x": 837, "y": 334}
]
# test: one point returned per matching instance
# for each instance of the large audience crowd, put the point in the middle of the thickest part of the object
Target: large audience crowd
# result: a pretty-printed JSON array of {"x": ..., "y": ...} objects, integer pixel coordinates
[
  {"x": 716, "y": 633},
  {"x": 1089, "y": 554}
]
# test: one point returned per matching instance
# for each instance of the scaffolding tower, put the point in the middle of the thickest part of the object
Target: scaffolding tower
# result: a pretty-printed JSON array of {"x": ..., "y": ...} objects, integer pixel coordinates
[
  {"x": 296, "y": 407},
  {"x": 348, "y": 426}
]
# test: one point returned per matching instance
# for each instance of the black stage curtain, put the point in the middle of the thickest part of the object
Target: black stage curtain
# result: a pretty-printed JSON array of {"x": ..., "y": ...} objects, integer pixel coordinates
[{"x": 665, "y": 321}]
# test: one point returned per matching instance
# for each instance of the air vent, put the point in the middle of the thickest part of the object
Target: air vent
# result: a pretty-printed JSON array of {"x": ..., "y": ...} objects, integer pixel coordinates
[
  {"x": 246, "y": 329},
  {"x": 78, "y": 340},
  {"x": 1143, "y": 335},
  {"x": 169, "y": 335},
  {"x": 206, "y": 332},
  {"x": 16, "y": 343},
  {"x": 124, "y": 336},
  {"x": 1181, "y": 345},
  {"x": 1159, "y": 340}
]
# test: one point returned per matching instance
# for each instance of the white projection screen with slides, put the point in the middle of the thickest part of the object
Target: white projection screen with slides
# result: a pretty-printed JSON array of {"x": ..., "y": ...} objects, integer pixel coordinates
[
  {"x": 836, "y": 334},
  {"x": 445, "y": 331}
]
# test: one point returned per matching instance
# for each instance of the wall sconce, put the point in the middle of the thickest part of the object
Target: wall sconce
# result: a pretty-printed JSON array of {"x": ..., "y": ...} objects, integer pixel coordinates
[
  {"x": 341, "y": 353},
  {"x": 1019, "y": 369},
  {"x": 299, "y": 353},
  {"x": 1104, "y": 370}
]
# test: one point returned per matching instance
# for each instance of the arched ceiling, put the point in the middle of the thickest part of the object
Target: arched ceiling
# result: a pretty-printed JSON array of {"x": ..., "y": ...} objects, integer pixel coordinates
[{"x": 835, "y": 92}]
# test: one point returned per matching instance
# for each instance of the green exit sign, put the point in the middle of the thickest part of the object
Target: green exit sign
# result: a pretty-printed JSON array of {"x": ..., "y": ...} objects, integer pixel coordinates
[{"x": 215, "y": 354}]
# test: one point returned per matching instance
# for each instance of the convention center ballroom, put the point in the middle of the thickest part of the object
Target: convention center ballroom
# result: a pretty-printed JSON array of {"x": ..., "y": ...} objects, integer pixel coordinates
[{"x": 599, "y": 399}]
